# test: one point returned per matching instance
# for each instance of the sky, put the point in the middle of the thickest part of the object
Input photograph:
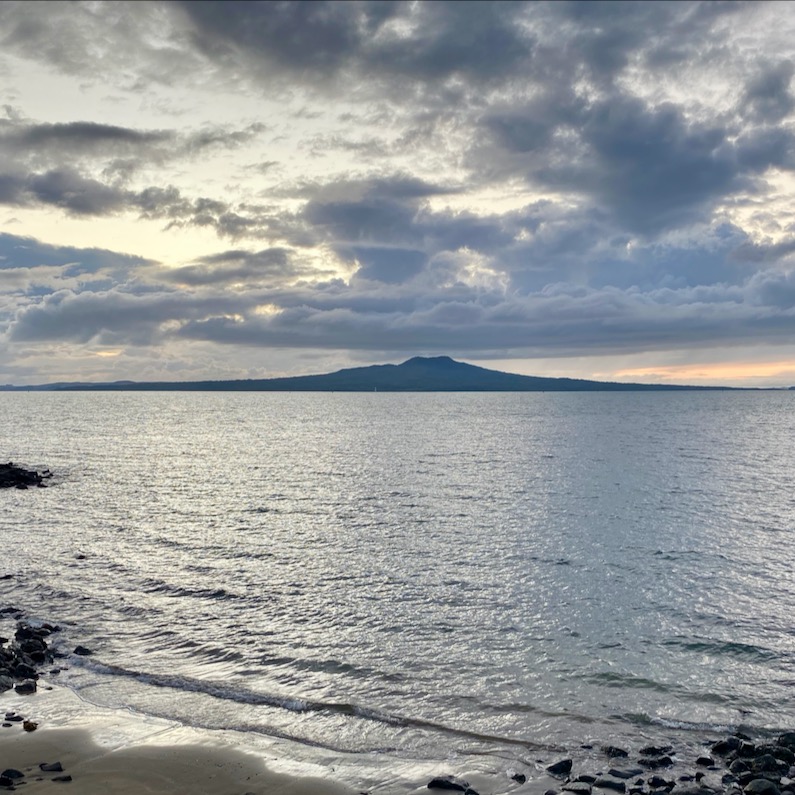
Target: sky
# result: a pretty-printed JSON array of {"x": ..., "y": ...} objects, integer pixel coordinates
[{"x": 214, "y": 190}]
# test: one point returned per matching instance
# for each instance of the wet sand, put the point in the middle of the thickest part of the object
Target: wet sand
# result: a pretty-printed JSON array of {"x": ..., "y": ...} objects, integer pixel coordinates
[{"x": 115, "y": 753}]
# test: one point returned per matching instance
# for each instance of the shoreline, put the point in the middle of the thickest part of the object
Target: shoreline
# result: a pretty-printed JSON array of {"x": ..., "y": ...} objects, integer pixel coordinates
[
  {"x": 102, "y": 750},
  {"x": 111, "y": 751}
]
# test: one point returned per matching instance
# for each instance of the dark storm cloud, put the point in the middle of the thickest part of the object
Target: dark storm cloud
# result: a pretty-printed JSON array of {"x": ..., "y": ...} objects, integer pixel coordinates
[
  {"x": 236, "y": 266},
  {"x": 36, "y": 143},
  {"x": 767, "y": 97},
  {"x": 27, "y": 252},
  {"x": 318, "y": 39},
  {"x": 651, "y": 166},
  {"x": 78, "y": 134},
  {"x": 83, "y": 196},
  {"x": 120, "y": 314},
  {"x": 386, "y": 226},
  {"x": 560, "y": 320}
]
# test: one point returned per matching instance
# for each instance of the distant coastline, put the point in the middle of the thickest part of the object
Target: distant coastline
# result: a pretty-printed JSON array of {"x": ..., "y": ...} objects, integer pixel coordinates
[{"x": 419, "y": 374}]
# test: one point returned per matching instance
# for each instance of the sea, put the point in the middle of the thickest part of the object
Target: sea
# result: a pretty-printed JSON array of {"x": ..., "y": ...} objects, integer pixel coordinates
[{"x": 384, "y": 576}]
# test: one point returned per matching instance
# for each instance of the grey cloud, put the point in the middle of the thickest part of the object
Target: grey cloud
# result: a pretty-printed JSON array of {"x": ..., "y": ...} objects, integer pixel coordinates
[
  {"x": 384, "y": 224},
  {"x": 80, "y": 195},
  {"x": 130, "y": 314},
  {"x": 75, "y": 193},
  {"x": 556, "y": 322},
  {"x": 27, "y": 252},
  {"x": 275, "y": 264},
  {"x": 481, "y": 40},
  {"x": 79, "y": 134},
  {"x": 763, "y": 252},
  {"x": 123, "y": 149},
  {"x": 317, "y": 40},
  {"x": 652, "y": 167},
  {"x": 313, "y": 35},
  {"x": 767, "y": 97}
]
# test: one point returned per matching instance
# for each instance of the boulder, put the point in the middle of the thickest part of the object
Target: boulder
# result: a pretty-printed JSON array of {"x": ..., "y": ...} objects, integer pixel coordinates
[
  {"x": 761, "y": 786},
  {"x": 560, "y": 768}
]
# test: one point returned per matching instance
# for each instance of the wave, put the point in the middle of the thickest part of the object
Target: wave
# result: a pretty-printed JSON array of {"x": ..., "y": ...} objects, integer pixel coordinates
[
  {"x": 727, "y": 648},
  {"x": 643, "y": 719},
  {"x": 175, "y": 591},
  {"x": 241, "y": 695}
]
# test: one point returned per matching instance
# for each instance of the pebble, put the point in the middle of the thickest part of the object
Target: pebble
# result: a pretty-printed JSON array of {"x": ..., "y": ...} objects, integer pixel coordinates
[{"x": 51, "y": 767}]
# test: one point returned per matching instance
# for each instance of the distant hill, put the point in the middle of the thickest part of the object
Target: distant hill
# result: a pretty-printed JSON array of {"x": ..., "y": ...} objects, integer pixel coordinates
[{"x": 420, "y": 374}]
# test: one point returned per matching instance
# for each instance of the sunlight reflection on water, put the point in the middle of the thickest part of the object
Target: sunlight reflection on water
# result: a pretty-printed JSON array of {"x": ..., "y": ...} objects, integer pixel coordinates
[{"x": 406, "y": 571}]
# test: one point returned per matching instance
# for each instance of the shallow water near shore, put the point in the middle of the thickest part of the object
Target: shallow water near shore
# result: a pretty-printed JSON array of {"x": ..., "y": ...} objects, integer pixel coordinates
[{"x": 415, "y": 576}]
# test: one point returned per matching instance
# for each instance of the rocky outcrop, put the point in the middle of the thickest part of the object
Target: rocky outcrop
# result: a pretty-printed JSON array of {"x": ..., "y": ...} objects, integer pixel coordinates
[
  {"x": 12, "y": 476},
  {"x": 20, "y": 658}
]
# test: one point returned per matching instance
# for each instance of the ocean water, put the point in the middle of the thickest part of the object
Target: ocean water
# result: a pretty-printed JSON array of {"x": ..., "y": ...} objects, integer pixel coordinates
[{"x": 415, "y": 575}]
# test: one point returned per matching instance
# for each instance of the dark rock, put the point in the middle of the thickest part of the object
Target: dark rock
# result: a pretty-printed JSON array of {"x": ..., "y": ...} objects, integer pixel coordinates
[
  {"x": 26, "y": 688},
  {"x": 519, "y": 778},
  {"x": 12, "y": 773},
  {"x": 738, "y": 766},
  {"x": 724, "y": 747},
  {"x": 658, "y": 782},
  {"x": 578, "y": 788},
  {"x": 613, "y": 752},
  {"x": 787, "y": 740},
  {"x": 61, "y": 778},
  {"x": 32, "y": 645},
  {"x": 768, "y": 763},
  {"x": 761, "y": 786},
  {"x": 24, "y": 671},
  {"x": 625, "y": 774},
  {"x": 586, "y": 777},
  {"x": 656, "y": 750},
  {"x": 6, "y": 782},
  {"x": 746, "y": 749},
  {"x": 779, "y": 752},
  {"x": 612, "y": 784},
  {"x": 699, "y": 776},
  {"x": 451, "y": 783},
  {"x": 55, "y": 767},
  {"x": 705, "y": 761},
  {"x": 560, "y": 768},
  {"x": 30, "y": 725},
  {"x": 550, "y": 792},
  {"x": 6, "y": 683},
  {"x": 82, "y": 651},
  {"x": 14, "y": 476},
  {"x": 7, "y": 725},
  {"x": 746, "y": 777}
]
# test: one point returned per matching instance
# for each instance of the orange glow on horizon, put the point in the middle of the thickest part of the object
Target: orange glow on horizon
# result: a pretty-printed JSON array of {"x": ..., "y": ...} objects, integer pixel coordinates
[{"x": 722, "y": 371}]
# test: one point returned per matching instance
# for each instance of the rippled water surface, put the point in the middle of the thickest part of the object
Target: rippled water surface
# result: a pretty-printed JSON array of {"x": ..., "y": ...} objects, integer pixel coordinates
[{"x": 414, "y": 573}]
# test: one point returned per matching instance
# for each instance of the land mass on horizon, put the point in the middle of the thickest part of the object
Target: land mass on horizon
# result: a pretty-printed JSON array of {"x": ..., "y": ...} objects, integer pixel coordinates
[{"x": 418, "y": 374}]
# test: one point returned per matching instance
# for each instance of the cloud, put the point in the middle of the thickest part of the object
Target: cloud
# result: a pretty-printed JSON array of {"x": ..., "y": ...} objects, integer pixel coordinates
[
  {"x": 273, "y": 265},
  {"x": 767, "y": 97},
  {"x": 501, "y": 178},
  {"x": 318, "y": 39}
]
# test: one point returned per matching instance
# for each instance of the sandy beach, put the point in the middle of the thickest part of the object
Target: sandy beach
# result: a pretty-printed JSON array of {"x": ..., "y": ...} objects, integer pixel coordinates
[
  {"x": 119, "y": 752},
  {"x": 116, "y": 752}
]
